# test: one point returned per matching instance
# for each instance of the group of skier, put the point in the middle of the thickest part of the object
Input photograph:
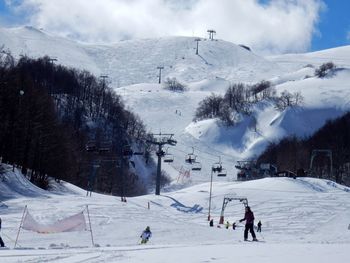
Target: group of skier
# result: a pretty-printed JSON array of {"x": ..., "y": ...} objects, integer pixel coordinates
[{"x": 249, "y": 224}]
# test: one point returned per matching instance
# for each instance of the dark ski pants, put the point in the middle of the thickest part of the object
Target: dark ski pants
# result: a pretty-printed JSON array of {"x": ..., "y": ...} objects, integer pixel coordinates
[
  {"x": 2, "y": 244},
  {"x": 249, "y": 227}
]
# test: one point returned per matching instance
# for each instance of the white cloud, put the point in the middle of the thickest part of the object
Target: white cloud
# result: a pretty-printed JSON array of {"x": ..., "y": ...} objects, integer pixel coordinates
[{"x": 279, "y": 26}]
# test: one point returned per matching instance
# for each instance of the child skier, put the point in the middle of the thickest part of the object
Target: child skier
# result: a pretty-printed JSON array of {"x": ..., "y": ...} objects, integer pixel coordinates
[
  {"x": 211, "y": 223},
  {"x": 249, "y": 224},
  {"x": 146, "y": 234},
  {"x": 259, "y": 226},
  {"x": 234, "y": 225},
  {"x": 2, "y": 244}
]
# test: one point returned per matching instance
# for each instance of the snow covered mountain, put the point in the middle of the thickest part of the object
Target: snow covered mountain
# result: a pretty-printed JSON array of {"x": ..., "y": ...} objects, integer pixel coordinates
[
  {"x": 132, "y": 70},
  {"x": 136, "y": 61}
]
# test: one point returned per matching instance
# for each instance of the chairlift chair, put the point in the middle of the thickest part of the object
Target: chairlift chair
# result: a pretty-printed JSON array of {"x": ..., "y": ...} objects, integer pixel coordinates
[
  {"x": 222, "y": 173},
  {"x": 190, "y": 158},
  {"x": 168, "y": 158},
  {"x": 217, "y": 167},
  {"x": 197, "y": 166}
]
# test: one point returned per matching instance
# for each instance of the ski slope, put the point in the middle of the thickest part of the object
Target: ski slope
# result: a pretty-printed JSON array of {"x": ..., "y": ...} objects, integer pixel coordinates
[
  {"x": 305, "y": 219},
  {"x": 136, "y": 61}
]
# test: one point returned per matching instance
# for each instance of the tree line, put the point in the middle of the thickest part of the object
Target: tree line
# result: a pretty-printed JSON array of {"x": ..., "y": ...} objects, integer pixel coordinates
[
  {"x": 294, "y": 154},
  {"x": 48, "y": 114}
]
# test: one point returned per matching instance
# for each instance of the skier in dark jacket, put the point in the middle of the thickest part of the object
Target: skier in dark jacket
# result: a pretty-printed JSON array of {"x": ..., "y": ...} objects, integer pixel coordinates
[
  {"x": 211, "y": 223},
  {"x": 233, "y": 225},
  {"x": 249, "y": 223},
  {"x": 259, "y": 227},
  {"x": 2, "y": 244}
]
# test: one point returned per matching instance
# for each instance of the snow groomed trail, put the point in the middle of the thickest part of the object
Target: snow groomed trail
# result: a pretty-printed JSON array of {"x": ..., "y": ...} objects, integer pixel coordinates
[{"x": 303, "y": 218}]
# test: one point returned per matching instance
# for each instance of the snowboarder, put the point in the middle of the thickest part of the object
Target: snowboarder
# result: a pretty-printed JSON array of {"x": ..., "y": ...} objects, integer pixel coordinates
[
  {"x": 259, "y": 226},
  {"x": 146, "y": 234},
  {"x": 249, "y": 224},
  {"x": 2, "y": 244},
  {"x": 211, "y": 223}
]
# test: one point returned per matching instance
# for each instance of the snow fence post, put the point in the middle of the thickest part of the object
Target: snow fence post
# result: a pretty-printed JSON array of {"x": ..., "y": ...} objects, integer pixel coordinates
[
  {"x": 20, "y": 226},
  {"x": 92, "y": 237}
]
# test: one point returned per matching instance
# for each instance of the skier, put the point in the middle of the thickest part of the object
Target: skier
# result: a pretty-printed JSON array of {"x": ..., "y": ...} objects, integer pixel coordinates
[
  {"x": 146, "y": 234},
  {"x": 233, "y": 225},
  {"x": 227, "y": 224},
  {"x": 2, "y": 244},
  {"x": 249, "y": 224},
  {"x": 259, "y": 226},
  {"x": 211, "y": 223}
]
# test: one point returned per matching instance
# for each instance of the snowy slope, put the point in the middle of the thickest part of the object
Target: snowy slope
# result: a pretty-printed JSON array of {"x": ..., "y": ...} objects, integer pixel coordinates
[
  {"x": 169, "y": 112},
  {"x": 136, "y": 61},
  {"x": 339, "y": 56},
  {"x": 306, "y": 219}
]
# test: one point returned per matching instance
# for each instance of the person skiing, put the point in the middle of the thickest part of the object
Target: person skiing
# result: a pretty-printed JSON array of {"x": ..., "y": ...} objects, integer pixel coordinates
[
  {"x": 211, "y": 223},
  {"x": 2, "y": 244},
  {"x": 227, "y": 224},
  {"x": 146, "y": 234},
  {"x": 249, "y": 224},
  {"x": 233, "y": 225},
  {"x": 259, "y": 226}
]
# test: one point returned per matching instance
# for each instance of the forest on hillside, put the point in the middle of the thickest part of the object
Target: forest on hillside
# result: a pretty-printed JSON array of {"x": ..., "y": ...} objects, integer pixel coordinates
[
  {"x": 329, "y": 146},
  {"x": 59, "y": 122}
]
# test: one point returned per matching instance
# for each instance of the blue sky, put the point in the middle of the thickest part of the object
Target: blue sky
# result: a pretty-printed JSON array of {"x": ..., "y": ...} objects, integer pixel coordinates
[
  {"x": 331, "y": 30},
  {"x": 334, "y": 25}
]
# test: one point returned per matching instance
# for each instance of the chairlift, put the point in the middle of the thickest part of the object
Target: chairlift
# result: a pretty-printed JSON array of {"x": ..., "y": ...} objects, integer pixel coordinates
[
  {"x": 222, "y": 173},
  {"x": 216, "y": 168},
  {"x": 168, "y": 157},
  {"x": 190, "y": 158},
  {"x": 197, "y": 166},
  {"x": 160, "y": 153}
]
